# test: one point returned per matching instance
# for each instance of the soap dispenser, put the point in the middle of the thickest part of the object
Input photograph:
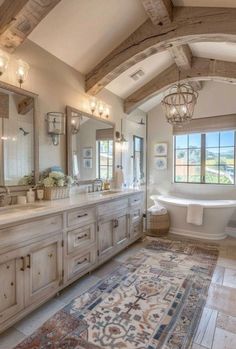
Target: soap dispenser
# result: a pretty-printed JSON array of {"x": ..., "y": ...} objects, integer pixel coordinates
[{"x": 30, "y": 196}]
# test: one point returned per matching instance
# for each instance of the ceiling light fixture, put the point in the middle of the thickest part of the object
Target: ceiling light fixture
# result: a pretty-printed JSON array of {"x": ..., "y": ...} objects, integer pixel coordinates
[{"x": 178, "y": 105}]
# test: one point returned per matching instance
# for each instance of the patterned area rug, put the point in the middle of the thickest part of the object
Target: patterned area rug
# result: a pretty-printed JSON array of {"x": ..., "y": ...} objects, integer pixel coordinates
[{"x": 154, "y": 300}]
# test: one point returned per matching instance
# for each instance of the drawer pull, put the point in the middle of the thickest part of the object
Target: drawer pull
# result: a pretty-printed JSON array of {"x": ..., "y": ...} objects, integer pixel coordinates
[
  {"x": 81, "y": 262},
  {"x": 23, "y": 264},
  {"x": 82, "y": 236},
  {"x": 29, "y": 264},
  {"x": 115, "y": 223},
  {"x": 82, "y": 215}
]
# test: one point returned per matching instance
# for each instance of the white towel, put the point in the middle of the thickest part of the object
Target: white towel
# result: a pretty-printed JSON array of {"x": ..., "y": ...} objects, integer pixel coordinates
[
  {"x": 119, "y": 178},
  {"x": 195, "y": 214},
  {"x": 157, "y": 210}
]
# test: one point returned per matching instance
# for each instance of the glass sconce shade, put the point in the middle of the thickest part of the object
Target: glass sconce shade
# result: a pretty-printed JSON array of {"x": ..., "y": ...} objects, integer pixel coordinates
[
  {"x": 4, "y": 59},
  {"x": 75, "y": 125},
  {"x": 22, "y": 71},
  {"x": 100, "y": 108},
  {"x": 107, "y": 112},
  {"x": 93, "y": 104}
]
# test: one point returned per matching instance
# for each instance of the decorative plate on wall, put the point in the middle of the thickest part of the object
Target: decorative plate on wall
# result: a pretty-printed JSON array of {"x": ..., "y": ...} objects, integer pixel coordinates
[
  {"x": 161, "y": 163},
  {"x": 88, "y": 152},
  {"x": 160, "y": 149}
]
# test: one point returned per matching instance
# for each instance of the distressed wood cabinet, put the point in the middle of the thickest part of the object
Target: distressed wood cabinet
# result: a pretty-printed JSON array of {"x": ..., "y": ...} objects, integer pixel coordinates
[{"x": 40, "y": 257}]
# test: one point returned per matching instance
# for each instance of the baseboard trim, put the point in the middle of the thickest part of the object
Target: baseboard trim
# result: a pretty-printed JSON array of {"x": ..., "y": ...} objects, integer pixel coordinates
[{"x": 196, "y": 234}]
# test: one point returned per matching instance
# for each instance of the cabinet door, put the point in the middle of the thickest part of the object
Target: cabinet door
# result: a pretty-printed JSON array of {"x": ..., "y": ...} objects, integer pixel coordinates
[
  {"x": 11, "y": 284},
  {"x": 105, "y": 237},
  {"x": 121, "y": 230},
  {"x": 44, "y": 269}
]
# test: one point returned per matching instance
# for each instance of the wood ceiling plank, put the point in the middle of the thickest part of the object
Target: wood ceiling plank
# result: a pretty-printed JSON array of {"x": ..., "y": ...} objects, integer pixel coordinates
[
  {"x": 182, "y": 56},
  {"x": 19, "y": 18},
  {"x": 190, "y": 24},
  {"x": 159, "y": 11},
  {"x": 202, "y": 69}
]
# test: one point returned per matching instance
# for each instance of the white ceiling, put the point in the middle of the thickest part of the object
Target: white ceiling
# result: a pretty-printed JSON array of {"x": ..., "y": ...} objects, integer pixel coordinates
[
  {"x": 124, "y": 85},
  {"x": 82, "y": 32}
]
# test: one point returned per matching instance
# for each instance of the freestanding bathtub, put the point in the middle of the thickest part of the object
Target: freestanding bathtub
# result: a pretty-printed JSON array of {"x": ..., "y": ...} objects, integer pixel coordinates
[{"x": 216, "y": 215}]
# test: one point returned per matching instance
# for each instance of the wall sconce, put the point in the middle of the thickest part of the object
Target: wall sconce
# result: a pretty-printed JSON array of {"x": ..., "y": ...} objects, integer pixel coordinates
[
  {"x": 56, "y": 125},
  {"x": 100, "y": 109},
  {"x": 107, "y": 112},
  {"x": 22, "y": 71},
  {"x": 4, "y": 60},
  {"x": 75, "y": 124},
  {"x": 121, "y": 141},
  {"x": 93, "y": 104}
]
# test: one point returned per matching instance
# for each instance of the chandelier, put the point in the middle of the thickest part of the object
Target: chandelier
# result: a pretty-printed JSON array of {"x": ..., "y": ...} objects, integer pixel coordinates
[{"x": 179, "y": 104}]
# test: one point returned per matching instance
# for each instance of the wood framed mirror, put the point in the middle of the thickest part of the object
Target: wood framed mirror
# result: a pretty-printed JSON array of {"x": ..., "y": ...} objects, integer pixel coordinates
[
  {"x": 90, "y": 146},
  {"x": 19, "y": 148}
]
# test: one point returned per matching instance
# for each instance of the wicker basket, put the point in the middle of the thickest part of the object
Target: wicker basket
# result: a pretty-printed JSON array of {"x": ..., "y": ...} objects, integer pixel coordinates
[
  {"x": 56, "y": 193},
  {"x": 158, "y": 224}
]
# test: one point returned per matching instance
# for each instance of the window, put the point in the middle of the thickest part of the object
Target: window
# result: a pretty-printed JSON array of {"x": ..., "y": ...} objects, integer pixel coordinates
[
  {"x": 138, "y": 158},
  {"x": 105, "y": 159},
  {"x": 205, "y": 158}
]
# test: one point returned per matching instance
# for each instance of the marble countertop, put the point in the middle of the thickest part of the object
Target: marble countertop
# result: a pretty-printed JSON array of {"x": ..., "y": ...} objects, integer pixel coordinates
[{"x": 17, "y": 213}]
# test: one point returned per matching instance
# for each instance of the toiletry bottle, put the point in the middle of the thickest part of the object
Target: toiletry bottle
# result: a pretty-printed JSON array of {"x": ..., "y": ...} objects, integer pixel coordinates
[{"x": 30, "y": 196}]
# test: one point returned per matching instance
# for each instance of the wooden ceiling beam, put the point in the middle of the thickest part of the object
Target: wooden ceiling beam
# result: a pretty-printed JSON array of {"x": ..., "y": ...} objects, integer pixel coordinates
[
  {"x": 19, "y": 17},
  {"x": 182, "y": 56},
  {"x": 159, "y": 11},
  {"x": 190, "y": 24},
  {"x": 202, "y": 69}
]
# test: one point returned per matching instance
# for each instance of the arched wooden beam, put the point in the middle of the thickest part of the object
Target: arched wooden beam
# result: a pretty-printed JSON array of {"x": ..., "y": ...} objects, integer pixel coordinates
[
  {"x": 202, "y": 69},
  {"x": 190, "y": 24}
]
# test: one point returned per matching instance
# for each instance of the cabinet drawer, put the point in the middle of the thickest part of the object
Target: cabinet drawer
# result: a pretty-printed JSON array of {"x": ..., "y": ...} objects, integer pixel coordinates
[
  {"x": 135, "y": 200},
  {"x": 84, "y": 261},
  {"x": 81, "y": 216},
  {"x": 22, "y": 233},
  {"x": 136, "y": 215},
  {"x": 110, "y": 207},
  {"x": 136, "y": 230},
  {"x": 81, "y": 238}
]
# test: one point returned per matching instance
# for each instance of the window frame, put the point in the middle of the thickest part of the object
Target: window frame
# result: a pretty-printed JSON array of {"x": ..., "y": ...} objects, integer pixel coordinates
[
  {"x": 108, "y": 166},
  {"x": 203, "y": 159},
  {"x": 141, "y": 152}
]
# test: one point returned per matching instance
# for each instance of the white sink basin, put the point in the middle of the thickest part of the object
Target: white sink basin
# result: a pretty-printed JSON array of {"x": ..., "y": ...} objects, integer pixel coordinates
[{"x": 20, "y": 208}]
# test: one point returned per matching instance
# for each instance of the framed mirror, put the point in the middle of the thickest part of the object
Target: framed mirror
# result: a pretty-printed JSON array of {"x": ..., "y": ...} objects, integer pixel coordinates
[
  {"x": 18, "y": 137},
  {"x": 90, "y": 146}
]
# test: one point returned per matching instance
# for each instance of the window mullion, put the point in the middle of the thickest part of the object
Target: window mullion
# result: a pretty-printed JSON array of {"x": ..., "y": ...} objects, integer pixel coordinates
[{"x": 203, "y": 158}]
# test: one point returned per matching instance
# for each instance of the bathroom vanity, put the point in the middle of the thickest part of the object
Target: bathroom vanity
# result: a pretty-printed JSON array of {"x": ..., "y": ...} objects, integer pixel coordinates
[{"x": 45, "y": 247}]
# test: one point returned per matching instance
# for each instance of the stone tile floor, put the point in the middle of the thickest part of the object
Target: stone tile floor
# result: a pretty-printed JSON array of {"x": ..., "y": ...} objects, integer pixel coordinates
[{"x": 217, "y": 326}]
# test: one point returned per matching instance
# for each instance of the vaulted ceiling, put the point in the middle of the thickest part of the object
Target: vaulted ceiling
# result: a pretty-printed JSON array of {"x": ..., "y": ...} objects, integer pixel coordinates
[{"x": 84, "y": 33}]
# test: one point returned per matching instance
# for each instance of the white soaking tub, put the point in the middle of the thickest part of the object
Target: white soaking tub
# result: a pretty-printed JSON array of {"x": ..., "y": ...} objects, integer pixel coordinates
[{"x": 216, "y": 215}]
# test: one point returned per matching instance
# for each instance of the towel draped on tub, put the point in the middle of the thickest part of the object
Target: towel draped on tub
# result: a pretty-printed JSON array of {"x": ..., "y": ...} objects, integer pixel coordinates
[{"x": 195, "y": 214}]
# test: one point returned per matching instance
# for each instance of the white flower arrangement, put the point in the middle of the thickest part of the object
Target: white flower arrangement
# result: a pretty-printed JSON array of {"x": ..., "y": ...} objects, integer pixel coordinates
[{"x": 57, "y": 179}]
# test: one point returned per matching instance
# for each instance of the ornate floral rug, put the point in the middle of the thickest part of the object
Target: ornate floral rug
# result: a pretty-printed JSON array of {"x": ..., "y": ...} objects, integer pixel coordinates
[{"x": 154, "y": 300}]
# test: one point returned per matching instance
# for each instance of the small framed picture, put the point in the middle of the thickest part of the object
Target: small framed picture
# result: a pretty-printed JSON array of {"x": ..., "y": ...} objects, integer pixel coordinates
[
  {"x": 88, "y": 152},
  {"x": 88, "y": 163},
  {"x": 161, "y": 149},
  {"x": 161, "y": 163}
]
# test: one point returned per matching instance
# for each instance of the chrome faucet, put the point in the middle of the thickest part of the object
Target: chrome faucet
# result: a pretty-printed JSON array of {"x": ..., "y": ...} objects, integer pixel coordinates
[{"x": 4, "y": 195}]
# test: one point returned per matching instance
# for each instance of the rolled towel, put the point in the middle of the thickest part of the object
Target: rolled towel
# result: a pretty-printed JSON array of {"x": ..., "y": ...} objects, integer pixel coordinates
[
  {"x": 157, "y": 210},
  {"x": 195, "y": 214}
]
